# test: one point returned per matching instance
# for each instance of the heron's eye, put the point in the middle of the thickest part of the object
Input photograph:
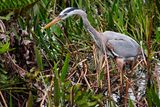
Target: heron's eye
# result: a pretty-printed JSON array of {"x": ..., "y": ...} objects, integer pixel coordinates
[{"x": 63, "y": 15}]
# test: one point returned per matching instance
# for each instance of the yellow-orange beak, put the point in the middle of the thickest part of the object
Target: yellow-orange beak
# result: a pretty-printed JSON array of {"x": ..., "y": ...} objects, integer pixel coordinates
[{"x": 52, "y": 22}]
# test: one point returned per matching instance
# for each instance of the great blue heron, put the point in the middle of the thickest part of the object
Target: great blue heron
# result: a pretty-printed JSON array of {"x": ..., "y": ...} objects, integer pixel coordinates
[{"x": 117, "y": 45}]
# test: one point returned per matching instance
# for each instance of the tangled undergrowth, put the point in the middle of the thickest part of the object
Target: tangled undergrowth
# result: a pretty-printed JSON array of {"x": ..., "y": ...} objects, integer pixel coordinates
[{"x": 60, "y": 65}]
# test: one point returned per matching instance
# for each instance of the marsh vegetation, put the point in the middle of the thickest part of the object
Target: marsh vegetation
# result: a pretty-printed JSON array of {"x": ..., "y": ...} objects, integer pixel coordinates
[{"x": 59, "y": 66}]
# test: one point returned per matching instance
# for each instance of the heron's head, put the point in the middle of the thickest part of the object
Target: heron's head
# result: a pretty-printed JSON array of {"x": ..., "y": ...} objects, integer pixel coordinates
[{"x": 64, "y": 14}]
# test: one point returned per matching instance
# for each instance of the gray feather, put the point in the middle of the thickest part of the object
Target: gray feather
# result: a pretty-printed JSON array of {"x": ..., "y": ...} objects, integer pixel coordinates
[{"x": 121, "y": 45}]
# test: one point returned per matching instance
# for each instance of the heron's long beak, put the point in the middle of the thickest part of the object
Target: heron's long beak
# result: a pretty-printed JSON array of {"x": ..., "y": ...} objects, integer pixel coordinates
[{"x": 52, "y": 22}]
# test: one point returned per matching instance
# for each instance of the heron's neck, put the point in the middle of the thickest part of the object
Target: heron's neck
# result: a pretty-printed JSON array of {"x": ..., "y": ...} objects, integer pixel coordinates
[{"x": 92, "y": 31}]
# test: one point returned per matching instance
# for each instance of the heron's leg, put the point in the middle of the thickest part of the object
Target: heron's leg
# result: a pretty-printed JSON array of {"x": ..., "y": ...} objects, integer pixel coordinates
[{"x": 120, "y": 64}]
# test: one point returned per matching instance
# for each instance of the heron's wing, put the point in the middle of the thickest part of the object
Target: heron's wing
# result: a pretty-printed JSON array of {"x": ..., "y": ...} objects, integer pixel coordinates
[{"x": 122, "y": 48}]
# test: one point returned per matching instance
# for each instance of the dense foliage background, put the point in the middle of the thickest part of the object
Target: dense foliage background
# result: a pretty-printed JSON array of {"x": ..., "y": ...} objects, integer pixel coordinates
[{"x": 57, "y": 67}]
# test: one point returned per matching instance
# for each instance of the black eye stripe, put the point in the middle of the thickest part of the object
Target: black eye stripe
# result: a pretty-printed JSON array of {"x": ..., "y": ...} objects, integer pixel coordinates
[
  {"x": 71, "y": 9},
  {"x": 65, "y": 14}
]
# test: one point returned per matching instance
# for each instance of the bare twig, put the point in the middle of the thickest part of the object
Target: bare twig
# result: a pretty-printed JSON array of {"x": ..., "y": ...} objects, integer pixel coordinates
[
  {"x": 85, "y": 72},
  {"x": 73, "y": 69},
  {"x": 17, "y": 68},
  {"x": 5, "y": 104}
]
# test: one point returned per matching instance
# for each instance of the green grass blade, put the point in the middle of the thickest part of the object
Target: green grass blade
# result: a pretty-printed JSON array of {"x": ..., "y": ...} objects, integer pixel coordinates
[
  {"x": 130, "y": 103},
  {"x": 4, "y": 48},
  {"x": 38, "y": 58},
  {"x": 63, "y": 76},
  {"x": 152, "y": 97},
  {"x": 56, "y": 92},
  {"x": 30, "y": 100},
  {"x": 56, "y": 86},
  {"x": 65, "y": 67},
  {"x": 10, "y": 100}
]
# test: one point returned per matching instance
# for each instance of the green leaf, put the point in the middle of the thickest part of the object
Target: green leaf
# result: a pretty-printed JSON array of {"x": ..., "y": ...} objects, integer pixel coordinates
[
  {"x": 155, "y": 98},
  {"x": 91, "y": 104},
  {"x": 7, "y": 17},
  {"x": 56, "y": 92},
  {"x": 4, "y": 78},
  {"x": 63, "y": 76},
  {"x": 158, "y": 35},
  {"x": 130, "y": 103},
  {"x": 56, "y": 29},
  {"x": 38, "y": 58},
  {"x": 10, "y": 101},
  {"x": 149, "y": 97},
  {"x": 91, "y": 18},
  {"x": 152, "y": 97},
  {"x": 4, "y": 48},
  {"x": 56, "y": 86},
  {"x": 65, "y": 67},
  {"x": 30, "y": 100},
  {"x": 55, "y": 69}
]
